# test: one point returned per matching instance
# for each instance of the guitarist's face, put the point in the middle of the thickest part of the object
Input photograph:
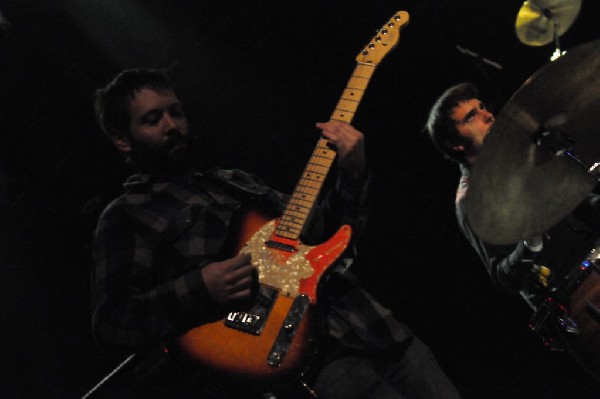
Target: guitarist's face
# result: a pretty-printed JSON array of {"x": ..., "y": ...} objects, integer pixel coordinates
[{"x": 158, "y": 139}]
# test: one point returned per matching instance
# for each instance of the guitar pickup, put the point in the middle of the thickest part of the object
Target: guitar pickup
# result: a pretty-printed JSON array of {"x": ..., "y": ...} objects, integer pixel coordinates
[
  {"x": 288, "y": 330},
  {"x": 279, "y": 245}
]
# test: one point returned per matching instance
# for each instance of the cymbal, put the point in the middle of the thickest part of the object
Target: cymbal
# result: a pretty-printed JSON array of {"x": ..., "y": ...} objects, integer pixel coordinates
[
  {"x": 518, "y": 189},
  {"x": 539, "y": 20}
]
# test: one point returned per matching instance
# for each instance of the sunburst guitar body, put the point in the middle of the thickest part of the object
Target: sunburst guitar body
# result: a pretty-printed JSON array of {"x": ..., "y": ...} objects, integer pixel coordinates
[{"x": 272, "y": 340}]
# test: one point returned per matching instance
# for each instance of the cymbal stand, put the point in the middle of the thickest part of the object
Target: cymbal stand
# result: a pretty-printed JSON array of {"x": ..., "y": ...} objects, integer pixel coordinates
[{"x": 557, "y": 51}]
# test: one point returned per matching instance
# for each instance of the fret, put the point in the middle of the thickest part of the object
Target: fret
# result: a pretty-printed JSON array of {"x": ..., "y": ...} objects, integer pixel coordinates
[
  {"x": 324, "y": 149},
  {"x": 310, "y": 184},
  {"x": 293, "y": 216},
  {"x": 344, "y": 109},
  {"x": 298, "y": 203},
  {"x": 313, "y": 176},
  {"x": 302, "y": 210},
  {"x": 311, "y": 181},
  {"x": 303, "y": 190},
  {"x": 317, "y": 168},
  {"x": 304, "y": 195},
  {"x": 323, "y": 159},
  {"x": 289, "y": 226},
  {"x": 352, "y": 94},
  {"x": 307, "y": 196},
  {"x": 299, "y": 206},
  {"x": 293, "y": 225},
  {"x": 286, "y": 234},
  {"x": 346, "y": 106},
  {"x": 299, "y": 210},
  {"x": 361, "y": 79},
  {"x": 343, "y": 118},
  {"x": 358, "y": 76},
  {"x": 297, "y": 200},
  {"x": 355, "y": 85},
  {"x": 350, "y": 102},
  {"x": 316, "y": 172},
  {"x": 299, "y": 213}
]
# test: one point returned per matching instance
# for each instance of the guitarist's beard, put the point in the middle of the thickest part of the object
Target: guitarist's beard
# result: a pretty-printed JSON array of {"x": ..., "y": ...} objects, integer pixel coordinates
[{"x": 172, "y": 157}]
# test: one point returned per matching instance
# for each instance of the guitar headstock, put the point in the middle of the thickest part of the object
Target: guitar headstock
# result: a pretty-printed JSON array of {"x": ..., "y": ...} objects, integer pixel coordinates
[{"x": 385, "y": 40}]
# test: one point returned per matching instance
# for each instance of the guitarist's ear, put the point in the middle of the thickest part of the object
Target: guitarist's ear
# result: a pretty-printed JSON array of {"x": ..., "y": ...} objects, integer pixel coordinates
[
  {"x": 454, "y": 145},
  {"x": 120, "y": 141},
  {"x": 458, "y": 148}
]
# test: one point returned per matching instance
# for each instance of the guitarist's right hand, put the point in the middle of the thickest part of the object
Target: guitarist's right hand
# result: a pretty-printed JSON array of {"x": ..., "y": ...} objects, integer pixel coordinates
[{"x": 230, "y": 280}]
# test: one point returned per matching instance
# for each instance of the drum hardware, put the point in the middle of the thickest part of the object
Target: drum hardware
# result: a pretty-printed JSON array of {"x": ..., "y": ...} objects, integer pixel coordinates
[
  {"x": 592, "y": 307},
  {"x": 544, "y": 275},
  {"x": 560, "y": 144},
  {"x": 593, "y": 170},
  {"x": 548, "y": 313},
  {"x": 579, "y": 273},
  {"x": 552, "y": 312},
  {"x": 551, "y": 315},
  {"x": 556, "y": 142}
]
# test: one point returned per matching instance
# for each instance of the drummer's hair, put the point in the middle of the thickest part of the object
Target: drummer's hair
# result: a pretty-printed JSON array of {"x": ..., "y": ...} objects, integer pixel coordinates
[{"x": 440, "y": 126}]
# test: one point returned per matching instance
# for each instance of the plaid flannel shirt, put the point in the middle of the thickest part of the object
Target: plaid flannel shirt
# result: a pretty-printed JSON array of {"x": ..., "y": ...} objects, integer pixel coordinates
[{"x": 151, "y": 243}]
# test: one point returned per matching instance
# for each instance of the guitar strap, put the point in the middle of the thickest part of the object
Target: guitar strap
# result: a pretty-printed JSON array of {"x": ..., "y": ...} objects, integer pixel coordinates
[{"x": 249, "y": 192}]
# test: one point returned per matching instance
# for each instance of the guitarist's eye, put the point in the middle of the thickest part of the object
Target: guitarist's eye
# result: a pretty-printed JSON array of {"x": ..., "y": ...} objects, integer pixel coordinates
[{"x": 151, "y": 120}]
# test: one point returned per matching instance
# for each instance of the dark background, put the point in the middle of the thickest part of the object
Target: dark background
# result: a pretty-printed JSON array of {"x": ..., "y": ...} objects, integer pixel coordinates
[{"x": 256, "y": 76}]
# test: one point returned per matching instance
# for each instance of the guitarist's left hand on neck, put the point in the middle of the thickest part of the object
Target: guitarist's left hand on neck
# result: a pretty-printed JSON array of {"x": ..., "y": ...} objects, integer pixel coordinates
[{"x": 350, "y": 148}]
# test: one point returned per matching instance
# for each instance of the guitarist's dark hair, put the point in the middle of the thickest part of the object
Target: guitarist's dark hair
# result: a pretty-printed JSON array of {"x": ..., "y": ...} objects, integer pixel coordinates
[{"x": 111, "y": 108}]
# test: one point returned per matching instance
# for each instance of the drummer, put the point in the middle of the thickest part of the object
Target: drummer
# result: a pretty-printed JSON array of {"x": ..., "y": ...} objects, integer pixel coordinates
[{"x": 458, "y": 124}]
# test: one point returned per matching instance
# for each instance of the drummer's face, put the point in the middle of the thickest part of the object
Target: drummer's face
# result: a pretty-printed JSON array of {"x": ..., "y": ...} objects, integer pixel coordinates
[{"x": 473, "y": 121}]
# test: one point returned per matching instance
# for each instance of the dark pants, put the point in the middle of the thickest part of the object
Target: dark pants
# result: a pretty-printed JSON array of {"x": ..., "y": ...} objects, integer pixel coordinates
[{"x": 410, "y": 371}]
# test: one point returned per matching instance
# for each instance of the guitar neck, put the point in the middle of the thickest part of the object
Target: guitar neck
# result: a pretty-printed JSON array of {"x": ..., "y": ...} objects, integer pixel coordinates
[{"x": 307, "y": 190}]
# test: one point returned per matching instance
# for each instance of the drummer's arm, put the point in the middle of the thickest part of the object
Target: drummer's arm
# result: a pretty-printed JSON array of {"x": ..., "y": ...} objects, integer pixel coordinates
[{"x": 508, "y": 266}]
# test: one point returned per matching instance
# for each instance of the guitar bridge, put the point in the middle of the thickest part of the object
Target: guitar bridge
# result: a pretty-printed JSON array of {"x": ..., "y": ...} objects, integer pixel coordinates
[{"x": 253, "y": 321}]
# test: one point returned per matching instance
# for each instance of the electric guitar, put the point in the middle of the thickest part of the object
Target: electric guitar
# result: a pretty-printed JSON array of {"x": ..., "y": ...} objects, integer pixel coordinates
[{"x": 271, "y": 340}]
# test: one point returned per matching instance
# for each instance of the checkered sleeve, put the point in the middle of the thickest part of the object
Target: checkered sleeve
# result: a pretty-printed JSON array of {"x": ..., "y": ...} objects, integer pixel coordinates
[
  {"x": 129, "y": 310},
  {"x": 357, "y": 319}
]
